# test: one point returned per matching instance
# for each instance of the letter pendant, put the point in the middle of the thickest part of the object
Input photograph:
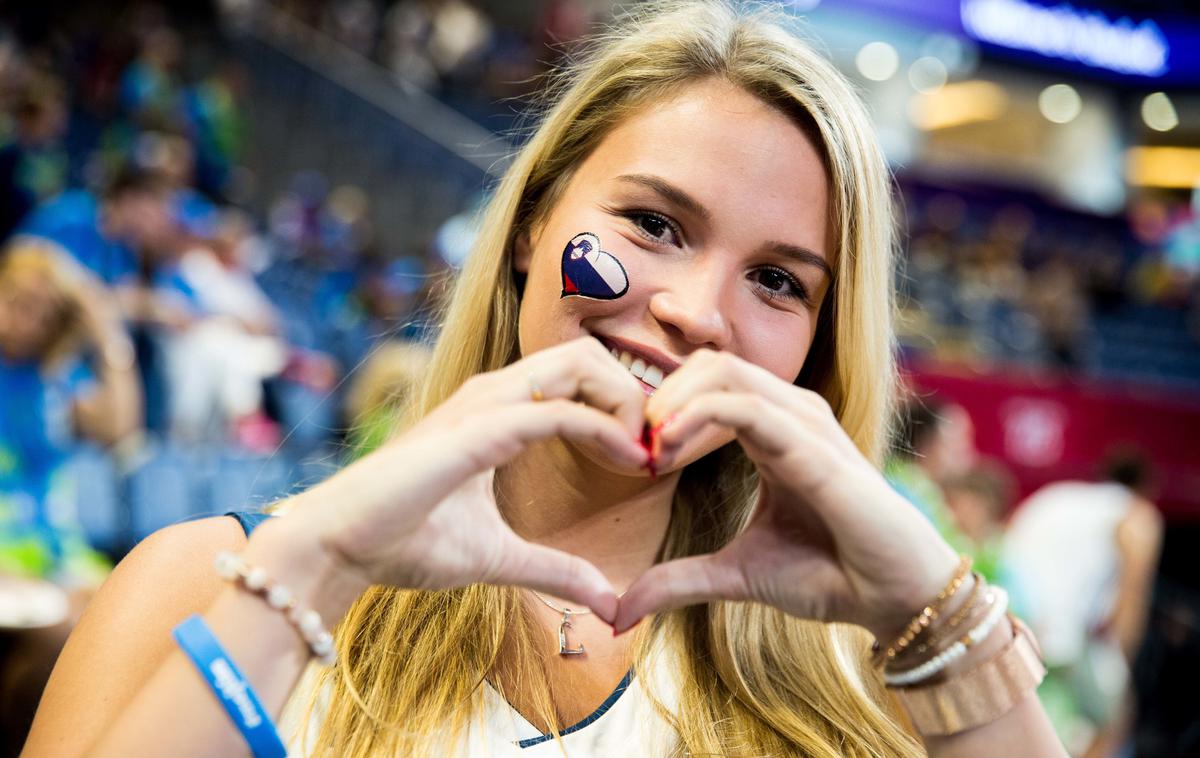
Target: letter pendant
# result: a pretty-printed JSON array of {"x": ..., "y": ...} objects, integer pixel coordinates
[{"x": 563, "y": 649}]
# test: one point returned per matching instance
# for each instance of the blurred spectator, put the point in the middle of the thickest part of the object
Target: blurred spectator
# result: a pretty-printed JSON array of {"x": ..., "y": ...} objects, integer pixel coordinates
[
  {"x": 935, "y": 443},
  {"x": 217, "y": 365},
  {"x": 1055, "y": 297},
  {"x": 49, "y": 315},
  {"x": 33, "y": 165},
  {"x": 978, "y": 500},
  {"x": 107, "y": 233},
  {"x": 1083, "y": 556},
  {"x": 437, "y": 43},
  {"x": 381, "y": 389},
  {"x": 215, "y": 127},
  {"x": 149, "y": 86}
]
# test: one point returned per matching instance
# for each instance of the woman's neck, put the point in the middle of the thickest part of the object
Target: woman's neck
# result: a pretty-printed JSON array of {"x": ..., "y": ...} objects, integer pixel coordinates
[{"x": 554, "y": 495}]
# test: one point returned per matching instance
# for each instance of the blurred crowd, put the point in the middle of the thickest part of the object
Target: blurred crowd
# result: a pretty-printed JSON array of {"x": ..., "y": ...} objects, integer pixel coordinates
[
  {"x": 1012, "y": 280},
  {"x": 147, "y": 313},
  {"x": 456, "y": 49}
]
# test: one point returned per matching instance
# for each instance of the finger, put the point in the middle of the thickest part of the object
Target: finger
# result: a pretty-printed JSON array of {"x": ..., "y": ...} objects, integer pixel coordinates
[
  {"x": 679, "y": 583},
  {"x": 763, "y": 427},
  {"x": 437, "y": 463},
  {"x": 562, "y": 575},
  {"x": 791, "y": 455},
  {"x": 708, "y": 371},
  {"x": 493, "y": 438},
  {"x": 581, "y": 370}
]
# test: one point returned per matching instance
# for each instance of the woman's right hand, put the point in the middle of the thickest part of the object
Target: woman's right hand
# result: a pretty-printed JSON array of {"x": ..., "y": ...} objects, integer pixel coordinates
[{"x": 420, "y": 512}]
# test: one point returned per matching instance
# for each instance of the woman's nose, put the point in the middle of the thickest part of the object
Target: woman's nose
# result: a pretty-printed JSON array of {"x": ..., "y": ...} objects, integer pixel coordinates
[{"x": 693, "y": 308}]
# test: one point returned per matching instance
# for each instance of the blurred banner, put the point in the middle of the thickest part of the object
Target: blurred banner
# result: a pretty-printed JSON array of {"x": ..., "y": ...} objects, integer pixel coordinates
[
  {"x": 1049, "y": 429},
  {"x": 1126, "y": 47}
]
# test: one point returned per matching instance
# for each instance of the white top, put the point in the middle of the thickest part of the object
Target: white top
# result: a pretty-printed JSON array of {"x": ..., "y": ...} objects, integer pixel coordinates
[
  {"x": 1061, "y": 549},
  {"x": 626, "y": 723}
]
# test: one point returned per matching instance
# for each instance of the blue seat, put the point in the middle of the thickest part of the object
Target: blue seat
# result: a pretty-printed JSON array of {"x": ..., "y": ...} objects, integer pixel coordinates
[
  {"x": 243, "y": 482},
  {"x": 163, "y": 491},
  {"x": 98, "y": 499}
]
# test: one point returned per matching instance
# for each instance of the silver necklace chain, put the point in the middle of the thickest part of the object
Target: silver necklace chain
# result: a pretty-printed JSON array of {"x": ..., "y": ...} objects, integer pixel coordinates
[{"x": 564, "y": 610}]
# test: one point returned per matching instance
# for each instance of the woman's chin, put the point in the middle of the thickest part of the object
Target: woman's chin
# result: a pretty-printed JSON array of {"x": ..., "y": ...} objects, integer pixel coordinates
[{"x": 600, "y": 458}]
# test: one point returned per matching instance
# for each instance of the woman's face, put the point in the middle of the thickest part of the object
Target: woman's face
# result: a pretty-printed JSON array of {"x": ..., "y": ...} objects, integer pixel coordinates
[{"x": 716, "y": 206}]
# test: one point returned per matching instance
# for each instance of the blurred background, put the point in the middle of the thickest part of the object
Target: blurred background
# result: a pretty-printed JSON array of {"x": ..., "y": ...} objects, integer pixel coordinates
[{"x": 226, "y": 226}]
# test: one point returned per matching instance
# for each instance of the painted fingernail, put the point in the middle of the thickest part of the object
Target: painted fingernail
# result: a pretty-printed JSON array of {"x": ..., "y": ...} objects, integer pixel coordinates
[{"x": 648, "y": 443}]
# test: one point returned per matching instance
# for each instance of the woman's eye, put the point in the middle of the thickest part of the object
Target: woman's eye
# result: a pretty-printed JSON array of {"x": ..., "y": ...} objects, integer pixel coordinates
[
  {"x": 657, "y": 228},
  {"x": 779, "y": 283}
]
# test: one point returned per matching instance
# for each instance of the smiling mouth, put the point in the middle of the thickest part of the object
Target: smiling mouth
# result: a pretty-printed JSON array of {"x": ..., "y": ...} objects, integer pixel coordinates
[{"x": 650, "y": 374}]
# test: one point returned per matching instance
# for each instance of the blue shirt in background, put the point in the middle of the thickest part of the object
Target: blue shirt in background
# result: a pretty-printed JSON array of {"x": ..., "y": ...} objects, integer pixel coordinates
[
  {"x": 72, "y": 220},
  {"x": 39, "y": 530}
]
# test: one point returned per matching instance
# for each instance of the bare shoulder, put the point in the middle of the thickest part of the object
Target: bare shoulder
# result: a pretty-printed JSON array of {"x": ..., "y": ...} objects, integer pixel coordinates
[
  {"x": 1141, "y": 529},
  {"x": 125, "y": 633}
]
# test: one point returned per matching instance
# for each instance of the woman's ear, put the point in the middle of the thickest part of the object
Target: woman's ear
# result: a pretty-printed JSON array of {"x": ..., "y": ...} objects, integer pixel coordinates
[{"x": 522, "y": 252}]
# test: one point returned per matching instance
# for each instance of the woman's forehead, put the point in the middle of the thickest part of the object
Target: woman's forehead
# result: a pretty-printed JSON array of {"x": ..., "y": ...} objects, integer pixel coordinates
[{"x": 748, "y": 164}]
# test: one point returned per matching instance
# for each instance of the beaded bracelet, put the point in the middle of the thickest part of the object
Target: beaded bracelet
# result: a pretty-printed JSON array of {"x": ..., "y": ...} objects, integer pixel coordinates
[
  {"x": 306, "y": 621},
  {"x": 998, "y": 599},
  {"x": 939, "y": 634},
  {"x": 922, "y": 620}
]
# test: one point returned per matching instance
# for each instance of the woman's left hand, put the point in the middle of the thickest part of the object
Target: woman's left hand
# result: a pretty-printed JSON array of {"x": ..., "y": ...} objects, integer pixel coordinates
[{"x": 828, "y": 539}]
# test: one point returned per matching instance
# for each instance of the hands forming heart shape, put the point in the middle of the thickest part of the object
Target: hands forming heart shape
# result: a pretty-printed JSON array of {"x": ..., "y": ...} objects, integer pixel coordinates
[{"x": 828, "y": 539}]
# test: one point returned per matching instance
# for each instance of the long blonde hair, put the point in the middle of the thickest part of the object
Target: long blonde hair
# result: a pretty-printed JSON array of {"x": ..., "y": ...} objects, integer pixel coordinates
[{"x": 753, "y": 680}]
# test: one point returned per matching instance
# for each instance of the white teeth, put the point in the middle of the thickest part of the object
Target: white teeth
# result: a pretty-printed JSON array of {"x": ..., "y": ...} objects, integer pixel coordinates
[
  {"x": 648, "y": 373},
  {"x": 653, "y": 376},
  {"x": 616, "y": 353}
]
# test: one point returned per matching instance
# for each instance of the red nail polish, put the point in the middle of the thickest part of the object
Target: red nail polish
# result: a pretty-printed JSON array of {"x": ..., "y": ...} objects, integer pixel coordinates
[{"x": 648, "y": 442}]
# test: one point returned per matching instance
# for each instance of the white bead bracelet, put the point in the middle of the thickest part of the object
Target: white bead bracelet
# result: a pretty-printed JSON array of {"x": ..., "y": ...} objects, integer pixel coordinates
[
  {"x": 999, "y": 605},
  {"x": 307, "y": 622}
]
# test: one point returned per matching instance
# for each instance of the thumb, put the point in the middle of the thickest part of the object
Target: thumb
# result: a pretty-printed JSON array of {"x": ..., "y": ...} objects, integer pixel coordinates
[
  {"x": 562, "y": 575},
  {"x": 678, "y": 583}
]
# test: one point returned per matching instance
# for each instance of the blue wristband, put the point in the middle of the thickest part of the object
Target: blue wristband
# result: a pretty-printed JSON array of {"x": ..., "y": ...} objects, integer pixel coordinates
[{"x": 230, "y": 688}]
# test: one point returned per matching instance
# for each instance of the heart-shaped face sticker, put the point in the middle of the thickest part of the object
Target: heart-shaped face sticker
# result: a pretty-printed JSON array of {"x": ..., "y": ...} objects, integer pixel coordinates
[{"x": 588, "y": 271}]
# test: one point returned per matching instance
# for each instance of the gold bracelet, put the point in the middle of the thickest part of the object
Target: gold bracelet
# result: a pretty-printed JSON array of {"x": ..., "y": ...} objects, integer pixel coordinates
[
  {"x": 940, "y": 634},
  {"x": 981, "y": 695},
  {"x": 923, "y": 619}
]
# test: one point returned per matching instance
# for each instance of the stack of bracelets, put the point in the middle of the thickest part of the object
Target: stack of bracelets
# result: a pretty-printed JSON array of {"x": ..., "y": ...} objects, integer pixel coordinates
[{"x": 914, "y": 664}]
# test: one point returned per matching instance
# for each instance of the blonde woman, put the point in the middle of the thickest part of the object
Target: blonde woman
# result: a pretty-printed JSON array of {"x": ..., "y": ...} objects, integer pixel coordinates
[{"x": 703, "y": 205}]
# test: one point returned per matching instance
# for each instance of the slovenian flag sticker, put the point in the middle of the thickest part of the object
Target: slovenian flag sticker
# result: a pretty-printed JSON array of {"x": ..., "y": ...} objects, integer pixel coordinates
[{"x": 588, "y": 271}]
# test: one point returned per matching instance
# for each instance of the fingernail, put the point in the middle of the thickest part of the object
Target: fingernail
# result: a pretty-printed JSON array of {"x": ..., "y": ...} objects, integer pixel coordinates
[{"x": 648, "y": 437}]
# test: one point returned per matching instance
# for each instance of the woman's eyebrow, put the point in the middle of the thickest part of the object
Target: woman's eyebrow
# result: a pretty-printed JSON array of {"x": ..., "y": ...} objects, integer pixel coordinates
[
  {"x": 669, "y": 191},
  {"x": 801, "y": 255}
]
